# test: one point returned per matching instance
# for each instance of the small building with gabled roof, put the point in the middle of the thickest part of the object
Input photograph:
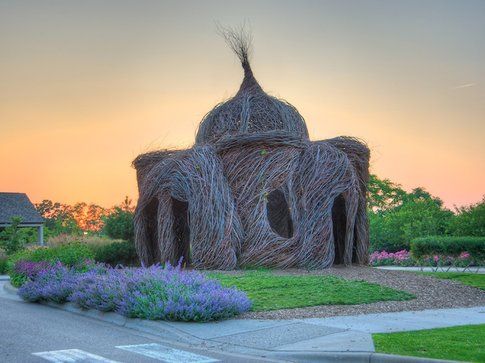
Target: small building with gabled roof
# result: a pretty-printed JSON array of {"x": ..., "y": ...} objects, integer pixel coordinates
[{"x": 19, "y": 205}]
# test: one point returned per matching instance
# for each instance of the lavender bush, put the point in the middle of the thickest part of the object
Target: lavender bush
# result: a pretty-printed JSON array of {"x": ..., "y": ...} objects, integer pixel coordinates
[
  {"x": 30, "y": 269},
  {"x": 23, "y": 271},
  {"x": 173, "y": 294},
  {"x": 166, "y": 293},
  {"x": 54, "y": 283},
  {"x": 101, "y": 288}
]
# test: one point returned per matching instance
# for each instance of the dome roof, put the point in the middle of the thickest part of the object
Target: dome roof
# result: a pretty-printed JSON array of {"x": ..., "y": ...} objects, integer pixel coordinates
[{"x": 251, "y": 110}]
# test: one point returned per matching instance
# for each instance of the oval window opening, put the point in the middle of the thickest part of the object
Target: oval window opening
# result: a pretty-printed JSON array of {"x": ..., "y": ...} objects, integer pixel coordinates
[{"x": 278, "y": 214}]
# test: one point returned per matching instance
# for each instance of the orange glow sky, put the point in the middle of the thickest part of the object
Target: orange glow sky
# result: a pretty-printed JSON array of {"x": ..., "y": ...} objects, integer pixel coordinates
[{"x": 85, "y": 86}]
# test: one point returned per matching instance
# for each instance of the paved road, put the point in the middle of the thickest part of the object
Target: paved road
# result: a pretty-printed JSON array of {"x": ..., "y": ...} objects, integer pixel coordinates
[{"x": 38, "y": 333}]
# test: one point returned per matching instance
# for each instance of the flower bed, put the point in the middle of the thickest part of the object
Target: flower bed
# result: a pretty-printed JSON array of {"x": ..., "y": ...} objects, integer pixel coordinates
[
  {"x": 384, "y": 258},
  {"x": 166, "y": 293},
  {"x": 405, "y": 258},
  {"x": 464, "y": 259}
]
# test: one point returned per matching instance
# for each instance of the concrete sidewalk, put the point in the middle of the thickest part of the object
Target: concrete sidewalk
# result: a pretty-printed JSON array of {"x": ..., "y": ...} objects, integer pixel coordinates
[
  {"x": 299, "y": 338},
  {"x": 342, "y": 333},
  {"x": 471, "y": 270}
]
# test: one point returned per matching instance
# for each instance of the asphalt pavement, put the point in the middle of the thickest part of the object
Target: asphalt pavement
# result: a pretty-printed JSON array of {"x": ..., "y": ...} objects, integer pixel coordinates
[{"x": 39, "y": 333}]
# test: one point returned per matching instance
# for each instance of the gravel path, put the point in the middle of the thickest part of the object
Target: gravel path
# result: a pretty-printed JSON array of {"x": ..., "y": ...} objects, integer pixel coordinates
[{"x": 430, "y": 292}]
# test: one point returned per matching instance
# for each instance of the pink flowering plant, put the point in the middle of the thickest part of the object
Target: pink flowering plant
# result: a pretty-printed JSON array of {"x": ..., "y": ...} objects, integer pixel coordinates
[
  {"x": 405, "y": 258},
  {"x": 384, "y": 258},
  {"x": 464, "y": 259}
]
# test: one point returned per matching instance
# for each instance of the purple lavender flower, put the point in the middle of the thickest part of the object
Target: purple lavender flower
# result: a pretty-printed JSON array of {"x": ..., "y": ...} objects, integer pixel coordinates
[
  {"x": 155, "y": 292},
  {"x": 30, "y": 269},
  {"x": 55, "y": 283}
]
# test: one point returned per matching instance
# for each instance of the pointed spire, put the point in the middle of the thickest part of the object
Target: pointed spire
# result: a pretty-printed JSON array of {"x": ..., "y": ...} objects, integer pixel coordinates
[
  {"x": 240, "y": 41},
  {"x": 249, "y": 82}
]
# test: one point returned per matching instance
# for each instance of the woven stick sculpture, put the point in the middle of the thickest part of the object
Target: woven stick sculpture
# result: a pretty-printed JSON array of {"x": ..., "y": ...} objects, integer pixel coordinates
[{"x": 254, "y": 190}]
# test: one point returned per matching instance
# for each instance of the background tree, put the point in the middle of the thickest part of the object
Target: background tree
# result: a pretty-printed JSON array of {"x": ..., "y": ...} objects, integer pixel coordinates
[
  {"x": 59, "y": 218},
  {"x": 119, "y": 223},
  {"x": 470, "y": 220},
  {"x": 396, "y": 217},
  {"x": 89, "y": 217},
  {"x": 11, "y": 238},
  {"x": 383, "y": 194}
]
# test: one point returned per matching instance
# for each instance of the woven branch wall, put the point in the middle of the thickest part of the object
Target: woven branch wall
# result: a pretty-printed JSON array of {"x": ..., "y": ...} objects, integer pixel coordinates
[{"x": 254, "y": 190}]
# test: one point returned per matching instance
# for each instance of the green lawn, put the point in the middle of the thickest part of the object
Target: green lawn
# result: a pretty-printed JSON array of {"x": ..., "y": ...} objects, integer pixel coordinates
[
  {"x": 269, "y": 291},
  {"x": 471, "y": 279},
  {"x": 462, "y": 343}
]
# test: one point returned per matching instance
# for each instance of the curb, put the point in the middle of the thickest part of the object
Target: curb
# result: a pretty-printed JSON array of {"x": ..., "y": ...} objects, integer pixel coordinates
[
  {"x": 353, "y": 357},
  {"x": 9, "y": 288},
  {"x": 171, "y": 334}
]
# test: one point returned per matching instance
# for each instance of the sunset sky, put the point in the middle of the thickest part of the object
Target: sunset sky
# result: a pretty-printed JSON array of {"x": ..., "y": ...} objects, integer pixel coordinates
[{"x": 85, "y": 86}]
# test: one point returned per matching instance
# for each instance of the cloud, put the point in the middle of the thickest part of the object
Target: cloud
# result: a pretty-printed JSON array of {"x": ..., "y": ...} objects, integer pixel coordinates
[{"x": 466, "y": 85}]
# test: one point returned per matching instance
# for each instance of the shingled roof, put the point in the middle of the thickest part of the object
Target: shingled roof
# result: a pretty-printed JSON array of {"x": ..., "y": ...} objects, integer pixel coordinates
[{"x": 18, "y": 205}]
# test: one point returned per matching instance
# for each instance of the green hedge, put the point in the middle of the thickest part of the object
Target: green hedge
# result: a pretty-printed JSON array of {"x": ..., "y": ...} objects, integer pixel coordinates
[
  {"x": 449, "y": 246},
  {"x": 69, "y": 254},
  {"x": 116, "y": 253}
]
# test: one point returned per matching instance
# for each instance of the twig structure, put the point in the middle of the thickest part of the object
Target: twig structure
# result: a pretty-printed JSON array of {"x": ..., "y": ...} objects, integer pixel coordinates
[{"x": 254, "y": 190}]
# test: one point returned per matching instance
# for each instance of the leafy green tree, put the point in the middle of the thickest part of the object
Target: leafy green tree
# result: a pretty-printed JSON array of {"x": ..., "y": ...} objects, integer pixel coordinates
[
  {"x": 398, "y": 217},
  {"x": 119, "y": 223},
  {"x": 470, "y": 220},
  {"x": 11, "y": 238},
  {"x": 384, "y": 194},
  {"x": 59, "y": 218}
]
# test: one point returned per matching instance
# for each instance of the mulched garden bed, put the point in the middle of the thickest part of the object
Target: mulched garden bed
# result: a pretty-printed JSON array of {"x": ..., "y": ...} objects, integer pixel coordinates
[{"x": 430, "y": 292}]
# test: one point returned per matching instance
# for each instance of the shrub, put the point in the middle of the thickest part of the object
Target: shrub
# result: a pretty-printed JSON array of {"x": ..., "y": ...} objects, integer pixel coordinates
[
  {"x": 55, "y": 283},
  {"x": 116, "y": 253},
  {"x": 104, "y": 249},
  {"x": 91, "y": 240},
  {"x": 167, "y": 293},
  {"x": 448, "y": 246},
  {"x": 172, "y": 294},
  {"x": 100, "y": 290},
  {"x": 24, "y": 270},
  {"x": 30, "y": 269},
  {"x": 69, "y": 254},
  {"x": 3, "y": 262}
]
